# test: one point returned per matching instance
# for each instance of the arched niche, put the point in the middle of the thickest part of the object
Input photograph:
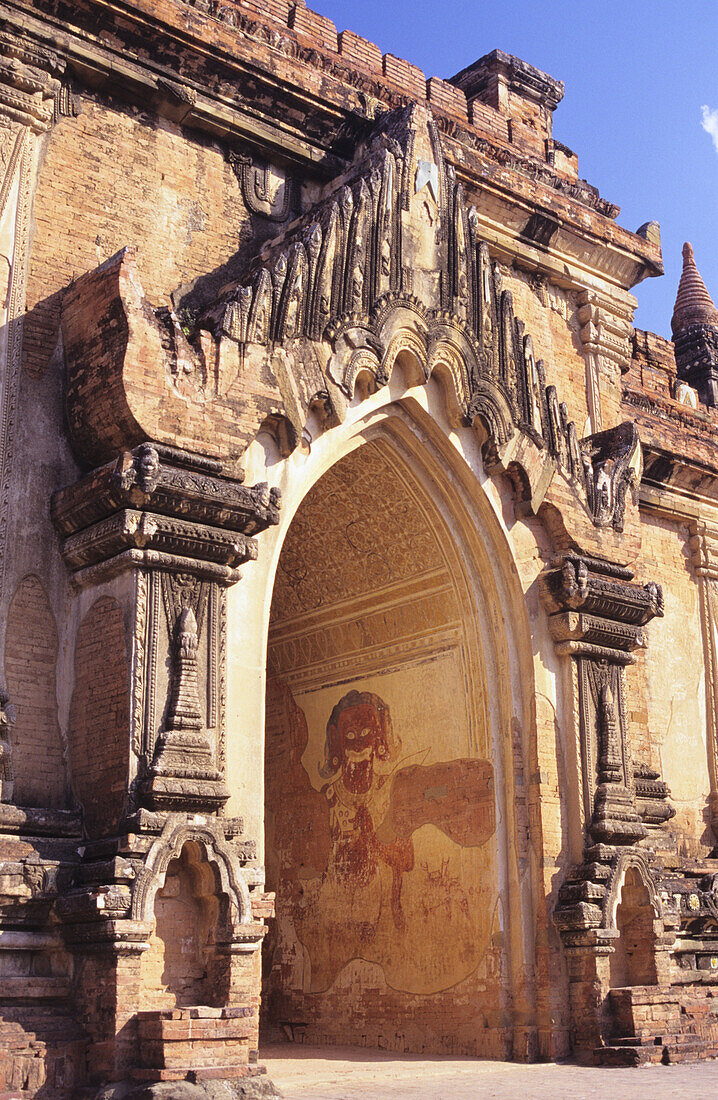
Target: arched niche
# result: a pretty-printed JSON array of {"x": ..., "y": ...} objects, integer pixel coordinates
[
  {"x": 178, "y": 967},
  {"x": 633, "y": 961},
  {"x": 406, "y": 898}
]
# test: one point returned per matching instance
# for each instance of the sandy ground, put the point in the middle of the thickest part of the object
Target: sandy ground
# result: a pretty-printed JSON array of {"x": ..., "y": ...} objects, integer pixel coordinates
[{"x": 347, "y": 1073}]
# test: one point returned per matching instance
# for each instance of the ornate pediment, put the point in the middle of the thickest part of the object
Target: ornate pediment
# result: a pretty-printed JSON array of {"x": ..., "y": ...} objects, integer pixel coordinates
[{"x": 385, "y": 268}]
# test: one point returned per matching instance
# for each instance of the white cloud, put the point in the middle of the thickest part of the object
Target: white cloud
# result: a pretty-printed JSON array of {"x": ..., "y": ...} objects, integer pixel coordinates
[{"x": 709, "y": 122}]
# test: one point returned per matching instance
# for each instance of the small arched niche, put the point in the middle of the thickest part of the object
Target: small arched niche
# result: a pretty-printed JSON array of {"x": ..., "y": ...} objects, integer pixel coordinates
[
  {"x": 633, "y": 961},
  {"x": 180, "y": 966}
]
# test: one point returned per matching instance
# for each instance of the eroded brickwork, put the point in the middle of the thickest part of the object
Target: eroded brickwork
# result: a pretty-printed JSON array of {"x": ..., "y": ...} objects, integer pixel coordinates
[
  {"x": 31, "y": 653},
  {"x": 99, "y": 715},
  {"x": 180, "y": 205}
]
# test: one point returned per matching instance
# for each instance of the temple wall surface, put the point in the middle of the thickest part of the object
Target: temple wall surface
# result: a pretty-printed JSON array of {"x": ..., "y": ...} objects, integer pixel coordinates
[{"x": 359, "y": 565}]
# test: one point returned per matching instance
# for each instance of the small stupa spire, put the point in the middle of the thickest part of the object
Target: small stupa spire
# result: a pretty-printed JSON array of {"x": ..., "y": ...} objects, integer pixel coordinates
[{"x": 694, "y": 305}]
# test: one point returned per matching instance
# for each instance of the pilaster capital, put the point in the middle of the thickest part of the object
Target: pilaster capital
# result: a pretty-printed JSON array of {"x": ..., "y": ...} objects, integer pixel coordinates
[
  {"x": 161, "y": 508},
  {"x": 606, "y": 327},
  {"x": 596, "y": 610}
]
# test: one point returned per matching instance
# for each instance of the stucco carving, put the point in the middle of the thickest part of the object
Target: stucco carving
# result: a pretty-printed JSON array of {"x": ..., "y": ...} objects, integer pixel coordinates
[{"x": 387, "y": 262}]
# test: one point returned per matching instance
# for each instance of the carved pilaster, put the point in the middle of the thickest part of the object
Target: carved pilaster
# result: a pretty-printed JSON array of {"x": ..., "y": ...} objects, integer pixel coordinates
[
  {"x": 606, "y": 331},
  {"x": 181, "y": 530},
  {"x": 164, "y": 532},
  {"x": 596, "y": 617},
  {"x": 704, "y": 551},
  {"x": 29, "y": 86}
]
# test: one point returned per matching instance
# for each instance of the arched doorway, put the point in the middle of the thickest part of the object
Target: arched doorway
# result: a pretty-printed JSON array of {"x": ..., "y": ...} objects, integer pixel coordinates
[{"x": 386, "y": 842}]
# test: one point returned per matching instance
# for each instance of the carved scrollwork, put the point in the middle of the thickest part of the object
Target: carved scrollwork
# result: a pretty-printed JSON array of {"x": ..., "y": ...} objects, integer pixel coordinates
[
  {"x": 208, "y": 835},
  {"x": 266, "y": 190},
  {"x": 642, "y": 864},
  {"x": 341, "y": 267},
  {"x": 613, "y": 465}
]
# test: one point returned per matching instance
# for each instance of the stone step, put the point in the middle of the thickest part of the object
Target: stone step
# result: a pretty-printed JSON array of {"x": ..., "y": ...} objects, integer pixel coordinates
[{"x": 652, "y": 1050}]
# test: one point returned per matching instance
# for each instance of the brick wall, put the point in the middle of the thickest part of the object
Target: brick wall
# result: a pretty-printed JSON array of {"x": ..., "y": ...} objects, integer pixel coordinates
[
  {"x": 99, "y": 717},
  {"x": 666, "y": 688},
  {"x": 30, "y": 659},
  {"x": 179, "y": 204}
]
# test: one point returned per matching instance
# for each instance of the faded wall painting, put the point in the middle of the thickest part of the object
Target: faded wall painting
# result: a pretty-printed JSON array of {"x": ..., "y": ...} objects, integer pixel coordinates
[{"x": 381, "y": 819}]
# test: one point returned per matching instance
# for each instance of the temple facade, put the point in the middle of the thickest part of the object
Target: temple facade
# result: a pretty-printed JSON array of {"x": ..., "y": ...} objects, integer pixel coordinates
[{"x": 358, "y": 566}]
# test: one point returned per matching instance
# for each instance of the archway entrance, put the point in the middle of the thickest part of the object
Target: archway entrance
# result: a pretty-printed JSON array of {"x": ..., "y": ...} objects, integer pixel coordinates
[{"x": 381, "y": 814}]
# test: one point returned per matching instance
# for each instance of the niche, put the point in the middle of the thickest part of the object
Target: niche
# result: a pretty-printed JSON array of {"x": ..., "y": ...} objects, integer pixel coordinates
[
  {"x": 633, "y": 961},
  {"x": 180, "y": 967}
]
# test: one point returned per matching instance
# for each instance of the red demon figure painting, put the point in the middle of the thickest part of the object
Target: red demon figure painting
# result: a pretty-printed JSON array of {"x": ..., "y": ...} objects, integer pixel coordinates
[{"x": 360, "y": 752}]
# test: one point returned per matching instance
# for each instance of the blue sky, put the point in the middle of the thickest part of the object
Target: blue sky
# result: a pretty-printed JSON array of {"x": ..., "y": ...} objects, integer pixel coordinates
[{"x": 637, "y": 74}]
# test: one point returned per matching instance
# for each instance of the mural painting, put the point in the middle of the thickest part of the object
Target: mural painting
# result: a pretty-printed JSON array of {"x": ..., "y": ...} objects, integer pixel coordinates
[{"x": 378, "y": 843}]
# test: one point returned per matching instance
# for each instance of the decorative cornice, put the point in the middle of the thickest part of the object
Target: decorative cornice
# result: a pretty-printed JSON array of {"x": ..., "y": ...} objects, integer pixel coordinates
[
  {"x": 152, "y": 506},
  {"x": 29, "y": 79},
  {"x": 529, "y": 82}
]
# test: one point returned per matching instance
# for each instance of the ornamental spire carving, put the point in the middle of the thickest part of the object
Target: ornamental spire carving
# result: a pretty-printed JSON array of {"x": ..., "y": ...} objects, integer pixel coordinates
[{"x": 184, "y": 774}]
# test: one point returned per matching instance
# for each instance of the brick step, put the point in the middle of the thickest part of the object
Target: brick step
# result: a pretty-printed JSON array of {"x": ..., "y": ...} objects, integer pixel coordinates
[
  {"x": 636, "y": 1041},
  {"x": 636, "y": 1055},
  {"x": 654, "y": 1050},
  {"x": 688, "y": 1049}
]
